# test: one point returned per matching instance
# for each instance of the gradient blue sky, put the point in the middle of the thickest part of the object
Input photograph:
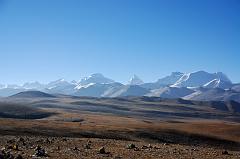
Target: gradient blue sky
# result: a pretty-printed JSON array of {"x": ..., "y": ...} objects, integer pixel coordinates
[{"x": 48, "y": 39}]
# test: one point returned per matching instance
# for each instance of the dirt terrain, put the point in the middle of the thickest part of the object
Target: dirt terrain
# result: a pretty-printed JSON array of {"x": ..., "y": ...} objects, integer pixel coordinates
[
  {"x": 73, "y": 127},
  {"x": 62, "y": 147}
]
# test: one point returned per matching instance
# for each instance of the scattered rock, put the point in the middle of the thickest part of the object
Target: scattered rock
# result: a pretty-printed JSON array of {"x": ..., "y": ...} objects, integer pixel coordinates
[
  {"x": 131, "y": 146},
  {"x": 144, "y": 147},
  {"x": 15, "y": 147},
  {"x": 87, "y": 146},
  {"x": 89, "y": 141},
  {"x": 37, "y": 148},
  {"x": 194, "y": 149},
  {"x": 102, "y": 150},
  {"x": 40, "y": 152},
  {"x": 3, "y": 149},
  {"x": 40, "y": 141},
  {"x": 20, "y": 139},
  {"x": 75, "y": 149},
  {"x": 136, "y": 149},
  {"x": 47, "y": 141},
  {"x": 18, "y": 157},
  {"x": 10, "y": 147},
  {"x": 225, "y": 152},
  {"x": 10, "y": 141},
  {"x": 147, "y": 147},
  {"x": 155, "y": 147},
  {"x": 112, "y": 149},
  {"x": 7, "y": 155},
  {"x": 150, "y": 146}
]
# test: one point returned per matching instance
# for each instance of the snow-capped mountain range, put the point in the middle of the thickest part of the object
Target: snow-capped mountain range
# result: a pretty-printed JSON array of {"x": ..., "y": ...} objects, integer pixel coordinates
[{"x": 177, "y": 85}]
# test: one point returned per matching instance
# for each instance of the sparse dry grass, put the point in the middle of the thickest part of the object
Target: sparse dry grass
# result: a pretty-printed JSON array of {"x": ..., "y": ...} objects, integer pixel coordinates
[{"x": 211, "y": 136}]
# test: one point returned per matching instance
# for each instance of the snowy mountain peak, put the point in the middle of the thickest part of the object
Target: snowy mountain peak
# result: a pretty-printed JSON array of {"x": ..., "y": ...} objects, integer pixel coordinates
[
  {"x": 223, "y": 77},
  {"x": 200, "y": 78},
  {"x": 135, "y": 80},
  {"x": 58, "y": 83},
  {"x": 176, "y": 74},
  {"x": 60, "y": 80},
  {"x": 12, "y": 86},
  {"x": 33, "y": 85},
  {"x": 95, "y": 78},
  {"x": 74, "y": 82},
  {"x": 96, "y": 75},
  {"x": 171, "y": 79}
]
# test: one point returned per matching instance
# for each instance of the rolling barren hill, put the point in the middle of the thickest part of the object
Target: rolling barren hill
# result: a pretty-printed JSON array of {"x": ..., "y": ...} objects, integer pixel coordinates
[
  {"x": 175, "y": 126},
  {"x": 32, "y": 94}
]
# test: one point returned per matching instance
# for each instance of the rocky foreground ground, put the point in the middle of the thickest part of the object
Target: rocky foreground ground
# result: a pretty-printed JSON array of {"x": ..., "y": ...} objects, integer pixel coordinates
[{"x": 18, "y": 147}]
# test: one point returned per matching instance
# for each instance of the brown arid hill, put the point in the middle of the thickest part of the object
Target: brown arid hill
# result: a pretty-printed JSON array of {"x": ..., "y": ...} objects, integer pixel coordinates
[{"x": 78, "y": 127}]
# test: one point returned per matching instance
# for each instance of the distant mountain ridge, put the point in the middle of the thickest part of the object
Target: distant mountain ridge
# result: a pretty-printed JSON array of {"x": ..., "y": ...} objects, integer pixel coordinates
[
  {"x": 95, "y": 78},
  {"x": 199, "y": 85},
  {"x": 171, "y": 79},
  {"x": 200, "y": 78}
]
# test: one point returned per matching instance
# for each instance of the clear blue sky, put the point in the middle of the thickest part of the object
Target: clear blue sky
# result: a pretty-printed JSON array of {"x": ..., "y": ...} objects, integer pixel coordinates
[{"x": 48, "y": 39}]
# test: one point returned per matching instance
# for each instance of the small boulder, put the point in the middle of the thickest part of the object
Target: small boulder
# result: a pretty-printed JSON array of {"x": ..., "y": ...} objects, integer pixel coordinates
[
  {"x": 75, "y": 149},
  {"x": 37, "y": 148},
  {"x": 150, "y": 146},
  {"x": 11, "y": 141},
  {"x": 15, "y": 147},
  {"x": 136, "y": 149},
  {"x": 102, "y": 150},
  {"x": 131, "y": 146},
  {"x": 40, "y": 152},
  {"x": 47, "y": 141},
  {"x": 20, "y": 139},
  {"x": 8, "y": 156},
  {"x": 3, "y": 150},
  {"x": 18, "y": 157},
  {"x": 87, "y": 146},
  {"x": 144, "y": 147},
  {"x": 166, "y": 144},
  {"x": 10, "y": 147},
  {"x": 225, "y": 152}
]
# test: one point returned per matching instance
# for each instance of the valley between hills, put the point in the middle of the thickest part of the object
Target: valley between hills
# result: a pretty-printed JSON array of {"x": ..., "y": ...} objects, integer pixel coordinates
[{"x": 125, "y": 127}]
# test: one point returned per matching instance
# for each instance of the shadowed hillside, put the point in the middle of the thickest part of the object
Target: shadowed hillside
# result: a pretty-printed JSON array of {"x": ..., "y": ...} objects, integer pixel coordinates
[
  {"x": 32, "y": 94},
  {"x": 13, "y": 110}
]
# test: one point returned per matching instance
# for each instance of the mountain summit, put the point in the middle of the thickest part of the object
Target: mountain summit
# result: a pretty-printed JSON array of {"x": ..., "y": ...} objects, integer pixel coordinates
[
  {"x": 171, "y": 79},
  {"x": 199, "y": 79},
  {"x": 135, "y": 80},
  {"x": 95, "y": 78}
]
